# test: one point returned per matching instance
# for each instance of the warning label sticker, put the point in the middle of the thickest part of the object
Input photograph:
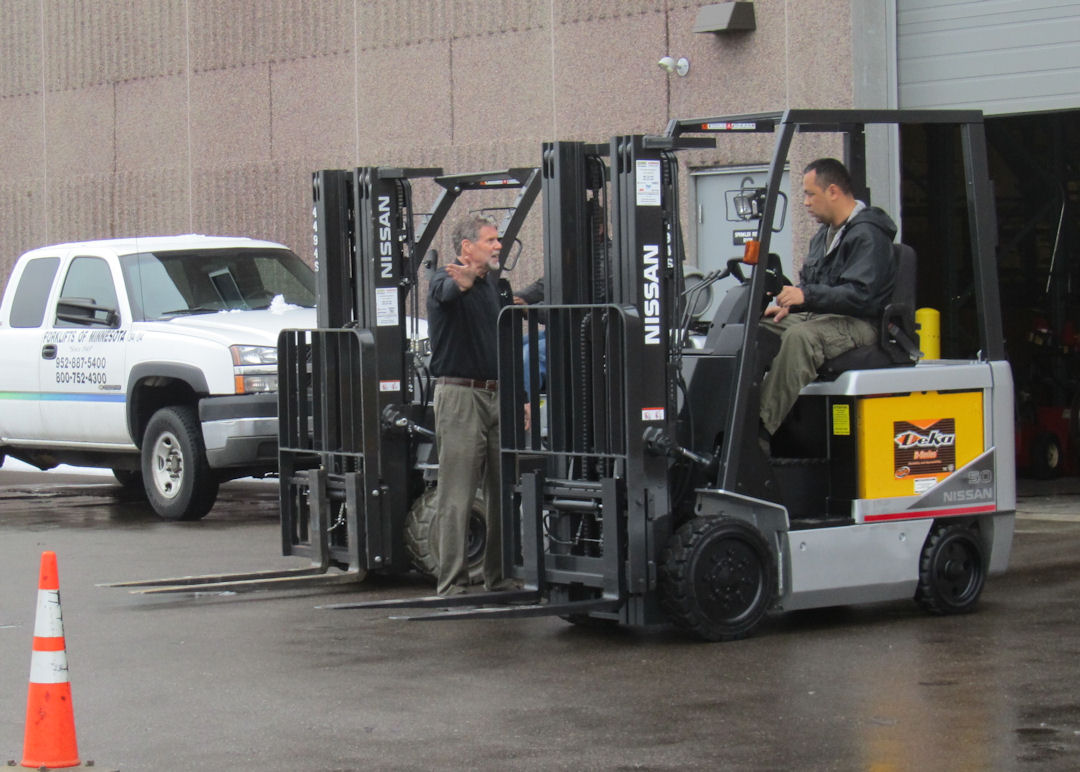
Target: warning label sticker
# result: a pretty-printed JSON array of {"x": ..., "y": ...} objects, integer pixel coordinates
[{"x": 924, "y": 447}]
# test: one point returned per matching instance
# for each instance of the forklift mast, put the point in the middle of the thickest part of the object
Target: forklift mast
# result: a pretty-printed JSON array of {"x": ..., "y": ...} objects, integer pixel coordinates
[
  {"x": 354, "y": 409},
  {"x": 613, "y": 254}
]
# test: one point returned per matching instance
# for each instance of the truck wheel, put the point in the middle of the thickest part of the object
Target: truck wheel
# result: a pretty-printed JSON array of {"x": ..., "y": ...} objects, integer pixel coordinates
[
  {"x": 718, "y": 578},
  {"x": 420, "y": 541},
  {"x": 952, "y": 571},
  {"x": 128, "y": 478},
  {"x": 177, "y": 479}
]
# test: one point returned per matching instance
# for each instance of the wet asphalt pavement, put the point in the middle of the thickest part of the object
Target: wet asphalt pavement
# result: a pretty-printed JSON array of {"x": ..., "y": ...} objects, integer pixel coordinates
[{"x": 265, "y": 681}]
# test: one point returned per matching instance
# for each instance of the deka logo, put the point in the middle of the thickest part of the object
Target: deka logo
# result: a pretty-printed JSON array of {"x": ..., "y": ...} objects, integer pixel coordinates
[{"x": 933, "y": 439}]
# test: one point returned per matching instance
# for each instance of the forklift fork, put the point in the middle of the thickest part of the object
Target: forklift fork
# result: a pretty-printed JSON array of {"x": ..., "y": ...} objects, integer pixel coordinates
[{"x": 514, "y": 604}]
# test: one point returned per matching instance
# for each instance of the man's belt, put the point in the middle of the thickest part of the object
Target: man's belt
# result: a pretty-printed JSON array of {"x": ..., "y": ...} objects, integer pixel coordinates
[{"x": 487, "y": 385}]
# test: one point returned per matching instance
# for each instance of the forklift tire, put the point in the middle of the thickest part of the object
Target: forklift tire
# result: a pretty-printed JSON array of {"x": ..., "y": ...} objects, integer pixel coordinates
[
  {"x": 718, "y": 578},
  {"x": 1046, "y": 458},
  {"x": 420, "y": 541},
  {"x": 179, "y": 482},
  {"x": 952, "y": 570}
]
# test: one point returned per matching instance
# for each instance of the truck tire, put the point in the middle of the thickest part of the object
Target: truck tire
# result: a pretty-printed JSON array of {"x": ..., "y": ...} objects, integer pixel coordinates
[
  {"x": 718, "y": 578},
  {"x": 178, "y": 481},
  {"x": 130, "y": 479},
  {"x": 420, "y": 541},
  {"x": 952, "y": 570}
]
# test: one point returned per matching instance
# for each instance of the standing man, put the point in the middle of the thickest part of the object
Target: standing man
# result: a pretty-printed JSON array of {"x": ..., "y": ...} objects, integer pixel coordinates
[
  {"x": 845, "y": 282},
  {"x": 463, "y": 310}
]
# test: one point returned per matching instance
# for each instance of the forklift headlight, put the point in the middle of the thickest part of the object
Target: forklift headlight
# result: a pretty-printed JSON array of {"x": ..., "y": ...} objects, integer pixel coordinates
[
  {"x": 421, "y": 346},
  {"x": 254, "y": 355}
]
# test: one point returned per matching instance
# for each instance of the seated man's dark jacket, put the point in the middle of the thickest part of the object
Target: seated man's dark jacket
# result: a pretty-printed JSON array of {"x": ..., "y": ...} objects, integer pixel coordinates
[{"x": 856, "y": 278}]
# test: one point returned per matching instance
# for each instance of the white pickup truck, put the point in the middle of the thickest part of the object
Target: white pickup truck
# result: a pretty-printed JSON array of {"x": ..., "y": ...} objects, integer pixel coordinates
[{"x": 153, "y": 357}]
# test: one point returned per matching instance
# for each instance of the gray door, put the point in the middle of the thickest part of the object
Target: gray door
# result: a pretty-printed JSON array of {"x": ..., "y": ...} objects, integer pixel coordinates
[
  {"x": 1003, "y": 57},
  {"x": 721, "y": 233}
]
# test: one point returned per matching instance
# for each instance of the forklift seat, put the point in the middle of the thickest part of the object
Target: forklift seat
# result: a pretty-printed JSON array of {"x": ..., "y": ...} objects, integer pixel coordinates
[{"x": 897, "y": 344}]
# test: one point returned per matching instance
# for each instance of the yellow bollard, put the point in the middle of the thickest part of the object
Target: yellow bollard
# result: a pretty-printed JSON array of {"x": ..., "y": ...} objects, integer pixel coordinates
[{"x": 929, "y": 322}]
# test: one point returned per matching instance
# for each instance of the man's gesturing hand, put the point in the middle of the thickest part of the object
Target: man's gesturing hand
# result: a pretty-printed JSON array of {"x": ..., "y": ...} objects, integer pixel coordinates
[{"x": 464, "y": 276}]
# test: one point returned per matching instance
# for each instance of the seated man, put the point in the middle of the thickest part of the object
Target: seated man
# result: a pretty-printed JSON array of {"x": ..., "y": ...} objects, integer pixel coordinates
[{"x": 844, "y": 284}]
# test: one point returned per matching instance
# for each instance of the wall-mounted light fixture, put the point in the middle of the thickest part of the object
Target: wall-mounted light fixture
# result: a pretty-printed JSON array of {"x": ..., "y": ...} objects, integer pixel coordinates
[
  {"x": 731, "y": 16},
  {"x": 679, "y": 66}
]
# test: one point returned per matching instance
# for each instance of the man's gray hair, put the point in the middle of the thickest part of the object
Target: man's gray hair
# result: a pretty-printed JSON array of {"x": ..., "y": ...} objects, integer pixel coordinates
[{"x": 468, "y": 227}]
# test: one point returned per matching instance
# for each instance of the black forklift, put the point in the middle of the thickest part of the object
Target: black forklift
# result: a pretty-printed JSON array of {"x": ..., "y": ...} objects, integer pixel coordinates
[
  {"x": 643, "y": 497},
  {"x": 356, "y": 457}
]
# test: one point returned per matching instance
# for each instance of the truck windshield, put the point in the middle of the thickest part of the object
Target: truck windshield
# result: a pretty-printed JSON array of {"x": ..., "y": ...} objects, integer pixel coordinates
[{"x": 162, "y": 285}]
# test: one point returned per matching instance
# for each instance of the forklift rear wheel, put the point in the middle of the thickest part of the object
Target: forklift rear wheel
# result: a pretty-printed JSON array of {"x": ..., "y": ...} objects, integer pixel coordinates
[
  {"x": 718, "y": 578},
  {"x": 420, "y": 540},
  {"x": 952, "y": 570}
]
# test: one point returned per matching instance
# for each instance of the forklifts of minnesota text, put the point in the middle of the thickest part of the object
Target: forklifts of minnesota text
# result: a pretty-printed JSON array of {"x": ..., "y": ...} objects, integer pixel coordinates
[
  {"x": 357, "y": 463},
  {"x": 648, "y": 499}
]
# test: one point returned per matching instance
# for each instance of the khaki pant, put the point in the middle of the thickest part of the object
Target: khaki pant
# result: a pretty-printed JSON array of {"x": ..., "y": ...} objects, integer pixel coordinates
[
  {"x": 807, "y": 341},
  {"x": 467, "y": 431}
]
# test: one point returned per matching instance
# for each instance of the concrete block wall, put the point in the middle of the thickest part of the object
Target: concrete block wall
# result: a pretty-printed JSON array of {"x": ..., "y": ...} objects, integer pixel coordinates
[{"x": 134, "y": 117}]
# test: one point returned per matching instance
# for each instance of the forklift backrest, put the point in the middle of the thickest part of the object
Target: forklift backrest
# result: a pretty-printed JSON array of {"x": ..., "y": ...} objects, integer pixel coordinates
[{"x": 897, "y": 341}]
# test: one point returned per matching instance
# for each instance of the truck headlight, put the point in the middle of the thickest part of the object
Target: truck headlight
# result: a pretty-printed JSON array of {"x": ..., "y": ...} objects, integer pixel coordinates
[
  {"x": 250, "y": 372},
  {"x": 255, "y": 383},
  {"x": 254, "y": 355}
]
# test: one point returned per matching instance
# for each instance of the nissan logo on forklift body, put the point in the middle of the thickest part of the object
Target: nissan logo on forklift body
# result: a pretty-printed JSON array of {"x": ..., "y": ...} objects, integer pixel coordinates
[
  {"x": 386, "y": 246},
  {"x": 651, "y": 293}
]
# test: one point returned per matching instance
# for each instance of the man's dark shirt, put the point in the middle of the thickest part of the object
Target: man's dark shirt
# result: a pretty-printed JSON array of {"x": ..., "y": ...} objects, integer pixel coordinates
[{"x": 463, "y": 328}]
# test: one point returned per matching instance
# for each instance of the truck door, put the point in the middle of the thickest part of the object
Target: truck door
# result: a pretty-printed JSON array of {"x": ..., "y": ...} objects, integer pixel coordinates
[
  {"x": 20, "y": 349},
  {"x": 81, "y": 369}
]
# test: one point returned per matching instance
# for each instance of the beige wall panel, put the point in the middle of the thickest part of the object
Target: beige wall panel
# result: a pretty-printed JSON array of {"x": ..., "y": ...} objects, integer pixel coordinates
[
  {"x": 569, "y": 11},
  {"x": 230, "y": 116},
  {"x": 21, "y": 137},
  {"x": 480, "y": 18},
  {"x": 819, "y": 74},
  {"x": 20, "y": 48},
  {"x": 613, "y": 84},
  {"x": 149, "y": 38},
  {"x": 151, "y": 122},
  {"x": 89, "y": 42},
  {"x": 80, "y": 207},
  {"x": 403, "y": 100},
  {"x": 79, "y": 131},
  {"x": 502, "y": 86},
  {"x": 261, "y": 200},
  {"x": 314, "y": 110},
  {"x": 391, "y": 24},
  {"x": 22, "y": 220},
  {"x": 731, "y": 72},
  {"x": 152, "y": 202},
  {"x": 260, "y": 31},
  {"x": 78, "y": 49}
]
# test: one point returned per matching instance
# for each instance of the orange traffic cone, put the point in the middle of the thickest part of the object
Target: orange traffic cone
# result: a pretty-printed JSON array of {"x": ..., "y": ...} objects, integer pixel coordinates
[{"x": 50, "y": 719}]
